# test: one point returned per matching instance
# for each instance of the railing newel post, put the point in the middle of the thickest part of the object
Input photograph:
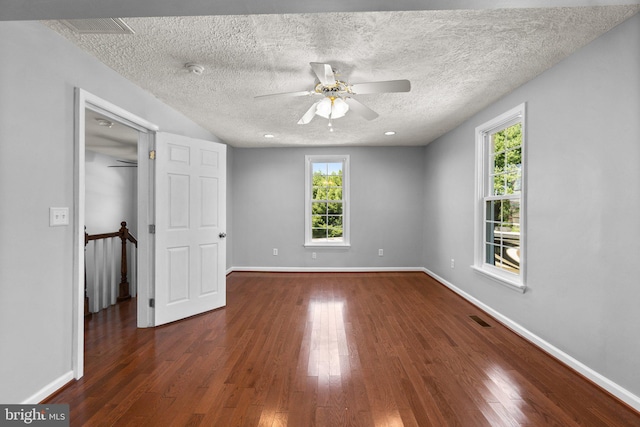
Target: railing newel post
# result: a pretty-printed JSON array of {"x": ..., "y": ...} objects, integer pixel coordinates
[{"x": 123, "y": 290}]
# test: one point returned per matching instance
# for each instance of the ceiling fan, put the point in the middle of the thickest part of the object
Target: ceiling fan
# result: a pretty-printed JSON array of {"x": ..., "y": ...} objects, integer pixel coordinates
[{"x": 337, "y": 96}]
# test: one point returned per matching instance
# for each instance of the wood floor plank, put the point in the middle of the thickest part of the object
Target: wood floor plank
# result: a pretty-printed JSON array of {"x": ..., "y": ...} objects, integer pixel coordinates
[{"x": 328, "y": 349}]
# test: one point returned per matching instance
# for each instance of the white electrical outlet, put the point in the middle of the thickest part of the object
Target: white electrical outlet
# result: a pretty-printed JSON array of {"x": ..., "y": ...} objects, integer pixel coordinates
[
  {"x": 380, "y": 252},
  {"x": 58, "y": 216},
  {"x": 453, "y": 263},
  {"x": 275, "y": 251},
  {"x": 313, "y": 255}
]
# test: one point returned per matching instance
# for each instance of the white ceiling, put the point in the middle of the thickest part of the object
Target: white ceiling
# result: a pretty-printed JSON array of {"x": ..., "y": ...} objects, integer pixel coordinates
[
  {"x": 118, "y": 140},
  {"x": 458, "y": 61}
]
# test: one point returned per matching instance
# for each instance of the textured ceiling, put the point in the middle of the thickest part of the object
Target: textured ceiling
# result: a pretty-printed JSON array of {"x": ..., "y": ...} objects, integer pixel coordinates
[{"x": 458, "y": 62}]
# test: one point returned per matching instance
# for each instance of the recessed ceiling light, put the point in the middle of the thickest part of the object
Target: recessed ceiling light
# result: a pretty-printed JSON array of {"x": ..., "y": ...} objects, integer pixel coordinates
[
  {"x": 104, "y": 122},
  {"x": 268, "y": 135},
  {"x": 389, "y": 133}
]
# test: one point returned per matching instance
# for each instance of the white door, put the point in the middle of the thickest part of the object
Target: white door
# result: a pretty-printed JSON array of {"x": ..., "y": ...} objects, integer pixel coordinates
[{"x": 190, "y": 249}]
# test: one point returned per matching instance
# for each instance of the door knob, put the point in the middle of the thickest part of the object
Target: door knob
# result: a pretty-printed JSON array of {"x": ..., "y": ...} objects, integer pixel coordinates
[{"x": 222, "y": 235}]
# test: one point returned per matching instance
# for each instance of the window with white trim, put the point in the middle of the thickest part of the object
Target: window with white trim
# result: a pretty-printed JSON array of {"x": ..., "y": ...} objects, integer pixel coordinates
[
  {"x": 327, "y": 200},
  {"x": 500, "y": 212}
]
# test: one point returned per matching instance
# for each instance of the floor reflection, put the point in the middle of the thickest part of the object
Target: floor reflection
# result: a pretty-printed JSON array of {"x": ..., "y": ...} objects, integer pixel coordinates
[{"x": 328, "y": 340}]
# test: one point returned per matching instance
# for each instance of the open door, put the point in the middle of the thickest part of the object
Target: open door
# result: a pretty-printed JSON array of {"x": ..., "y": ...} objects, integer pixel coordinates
[{"x": 190, "y": 212}]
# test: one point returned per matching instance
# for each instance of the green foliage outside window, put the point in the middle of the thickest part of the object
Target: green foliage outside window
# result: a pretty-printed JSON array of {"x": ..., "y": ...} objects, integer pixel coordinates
[
  {"x": 327, "y": 203},
  {"x": 507, "y": 160},
  {"x": 507, "y": 164}
]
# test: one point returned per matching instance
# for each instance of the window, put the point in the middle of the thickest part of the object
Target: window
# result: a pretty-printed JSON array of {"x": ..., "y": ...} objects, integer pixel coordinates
[
  {"x": 326, "y": 201},
  {"x": 500, "y": 210}
]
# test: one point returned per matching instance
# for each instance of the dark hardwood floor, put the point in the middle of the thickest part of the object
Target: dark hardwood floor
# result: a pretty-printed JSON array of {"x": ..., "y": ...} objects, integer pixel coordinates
[{"x": 299, "y": 350}]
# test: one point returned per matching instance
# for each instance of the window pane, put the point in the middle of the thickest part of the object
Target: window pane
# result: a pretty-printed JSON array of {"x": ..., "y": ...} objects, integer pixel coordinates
[
  {"x": 334, "y": 208},
  {"x": 492, "y": 254},
  {"x": 319, "y": 193},
  {"x": 502, "y": 234},
  {"x": 319, "y": 168},
  {"x": 492, "y": 233},
  {"x": 334, "y": 193},
  {"x": 318, "y": 233},
  {"x": 493, "y": 210},
  {"x": 334, "y": 168},
  {"x": 513, "y": 159},
  {"x": 510, "y": 239},
  {"x": 512, "y": 183},
  {"x": 511, "y": 258},
  {"x": 498, "y": 185},
  {"x": 497, "y": 142},
  {"x": 335, "y": 233},
  {"x": 498, "y": 163},
  {"x": 318, "y": 208},
  {"x": 510, "y": 211},
  {"x": 334, "y": 221},
  {"x": 513, "y": 135},
  {"x": 318, "y": 221}
]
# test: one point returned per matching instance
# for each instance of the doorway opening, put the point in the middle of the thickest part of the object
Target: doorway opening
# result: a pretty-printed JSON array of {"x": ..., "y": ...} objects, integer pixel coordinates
[
  {"x": 89, "y": 108},
  {"x": 111, "y": 182}
]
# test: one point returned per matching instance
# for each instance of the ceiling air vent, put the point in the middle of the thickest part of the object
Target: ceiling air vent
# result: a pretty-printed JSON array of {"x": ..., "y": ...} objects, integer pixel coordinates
[{"x": 98, "y": 26}]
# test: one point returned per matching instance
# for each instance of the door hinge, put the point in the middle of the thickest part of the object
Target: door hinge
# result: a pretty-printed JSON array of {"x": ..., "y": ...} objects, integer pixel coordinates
[
  {"x": 152, "y": 154},
  {"x": 152, "y": 302},
  {"x": 152, "y": 228}
]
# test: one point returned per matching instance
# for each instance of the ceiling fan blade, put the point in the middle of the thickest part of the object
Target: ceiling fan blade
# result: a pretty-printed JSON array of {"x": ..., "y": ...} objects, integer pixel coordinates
[
  {"x": 285, "y": 94},
  {"x": 308, "y": 116},
  {"x": 381, "y": 87},
  {"x": 324, "y": 73},
  {"x": 129, "y": 162},
  {"x": 360, "y": 108}
]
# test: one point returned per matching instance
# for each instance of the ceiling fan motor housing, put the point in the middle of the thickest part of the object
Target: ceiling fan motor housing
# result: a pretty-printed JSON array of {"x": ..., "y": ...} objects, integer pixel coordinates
[{"x": 339, "y": 89}]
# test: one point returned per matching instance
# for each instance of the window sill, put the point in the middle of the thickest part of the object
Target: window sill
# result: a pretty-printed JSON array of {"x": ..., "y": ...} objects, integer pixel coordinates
[
  {"x": 328, "y": 245},
  {"x": 505, "y": 281}
]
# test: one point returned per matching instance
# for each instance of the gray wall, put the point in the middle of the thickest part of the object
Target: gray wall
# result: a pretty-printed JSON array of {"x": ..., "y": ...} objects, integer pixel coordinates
[
  {"x": 386, "y": 208},
  {"x": 37, "y": 78},
  {"x": 583, "y": 147},
  {"x": 110, "y": 195}
]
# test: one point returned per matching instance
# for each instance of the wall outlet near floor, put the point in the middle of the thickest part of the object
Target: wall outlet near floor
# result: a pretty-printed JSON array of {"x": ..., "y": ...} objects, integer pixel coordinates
[
  {"x": 313, "y": 255},
  {"x": 380, "y": 252},
  {"x": 453, "y": 263},
  {"x": 275, "y": 251}
]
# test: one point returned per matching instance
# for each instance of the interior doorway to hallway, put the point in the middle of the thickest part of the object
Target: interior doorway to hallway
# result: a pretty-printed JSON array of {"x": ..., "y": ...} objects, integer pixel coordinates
[
  {"x": 88, "y": 109},
  {"x": 111, "y": 161}
]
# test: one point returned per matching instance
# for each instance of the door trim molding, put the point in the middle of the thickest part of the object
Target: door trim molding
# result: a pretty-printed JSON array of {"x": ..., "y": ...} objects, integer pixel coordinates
[{"x": 85, "y": 100}]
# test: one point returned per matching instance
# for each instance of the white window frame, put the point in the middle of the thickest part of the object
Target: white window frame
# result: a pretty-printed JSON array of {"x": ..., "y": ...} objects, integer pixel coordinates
[
  {"x": 483, "y": 168},
  {"x": 346, "y": 208}
]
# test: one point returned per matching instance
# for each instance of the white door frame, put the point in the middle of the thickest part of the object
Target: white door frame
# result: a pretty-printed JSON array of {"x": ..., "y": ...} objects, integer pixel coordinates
[{"x": 146, "y": 131}]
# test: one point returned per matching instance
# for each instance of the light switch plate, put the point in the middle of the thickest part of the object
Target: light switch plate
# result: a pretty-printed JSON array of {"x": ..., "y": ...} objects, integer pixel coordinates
[{"x": 58, "y": 217}]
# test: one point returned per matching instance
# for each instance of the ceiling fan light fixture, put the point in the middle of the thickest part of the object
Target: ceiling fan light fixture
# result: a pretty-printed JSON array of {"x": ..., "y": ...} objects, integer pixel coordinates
[
  {"x": 338, "y": 108},
  {"x": 323, "y": 108},
  {"x": 332, "y": 108}
]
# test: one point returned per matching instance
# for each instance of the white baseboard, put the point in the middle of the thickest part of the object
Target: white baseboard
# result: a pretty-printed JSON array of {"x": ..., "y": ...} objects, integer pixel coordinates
[
  {"x": 325, "y": 269},
  {"x": 615, "y": 389},
  {"x": 49, "y": 389}
]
